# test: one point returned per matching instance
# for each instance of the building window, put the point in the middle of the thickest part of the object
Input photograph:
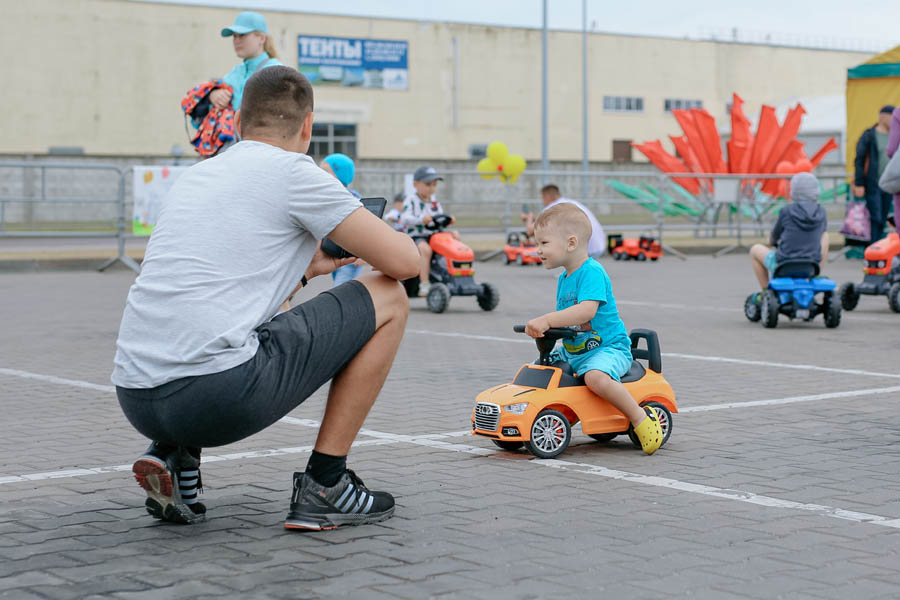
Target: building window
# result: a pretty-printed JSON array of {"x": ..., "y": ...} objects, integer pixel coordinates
[
  {"x": 670, "y": 104},
  {"x": 328, "y": 138},
  {"x": 623, "y": 104},
  {"x": 621, "y": 151}
]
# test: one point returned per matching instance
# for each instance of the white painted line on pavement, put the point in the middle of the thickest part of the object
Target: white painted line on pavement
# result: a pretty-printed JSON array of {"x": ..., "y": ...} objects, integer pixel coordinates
[
  {"x": 737, "y": 310},
  {"x": 764, "y": 363},
  {"x": 67, "y": 473},
  {"x": 790, "y": 400},
  {"x": 740, "y": 361},
  {"x": 51, "y": 379},
  {"x": 662, "y": 482},
  {"x": 380, "y": 439}
]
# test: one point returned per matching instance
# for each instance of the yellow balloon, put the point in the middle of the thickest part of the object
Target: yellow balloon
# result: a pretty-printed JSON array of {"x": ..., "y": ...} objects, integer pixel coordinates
[
  {"x": 514, "y": 165},
  {"x": 488, "y": 167},
  {"x": 497, "y": 152}
]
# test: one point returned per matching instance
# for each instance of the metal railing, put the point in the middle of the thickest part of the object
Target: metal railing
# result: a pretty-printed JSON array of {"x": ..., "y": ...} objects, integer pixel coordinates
[
  {"x": 80, "y": 200},
  {"x": 67, "y": 200}
]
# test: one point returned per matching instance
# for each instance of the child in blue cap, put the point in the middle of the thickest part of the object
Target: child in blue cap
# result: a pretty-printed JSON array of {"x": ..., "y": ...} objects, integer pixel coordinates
[{"x": 342, "y": 167}]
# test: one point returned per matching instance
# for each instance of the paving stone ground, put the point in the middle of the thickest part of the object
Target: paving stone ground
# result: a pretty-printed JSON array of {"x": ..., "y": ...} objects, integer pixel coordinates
[{"x": 783, "y": 500}]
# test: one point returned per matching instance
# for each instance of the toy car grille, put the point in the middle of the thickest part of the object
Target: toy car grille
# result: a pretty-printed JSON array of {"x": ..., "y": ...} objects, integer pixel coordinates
[{"x": 487, "y": 416}]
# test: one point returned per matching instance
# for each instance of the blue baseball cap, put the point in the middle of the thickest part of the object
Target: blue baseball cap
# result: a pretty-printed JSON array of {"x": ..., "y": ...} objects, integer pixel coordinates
[
  {"x": 343, "y": 167},
  {"x": 246, "y": 22}
]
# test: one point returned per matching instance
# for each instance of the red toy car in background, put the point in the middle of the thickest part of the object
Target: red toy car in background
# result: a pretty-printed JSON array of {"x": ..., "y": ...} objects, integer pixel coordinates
[
  {"x": 638, "y": 249},
  {"x": 520, "y": 250}
]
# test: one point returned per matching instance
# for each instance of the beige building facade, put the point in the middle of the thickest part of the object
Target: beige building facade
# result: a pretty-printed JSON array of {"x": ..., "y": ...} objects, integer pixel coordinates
[{"x": 105, "y": 77}]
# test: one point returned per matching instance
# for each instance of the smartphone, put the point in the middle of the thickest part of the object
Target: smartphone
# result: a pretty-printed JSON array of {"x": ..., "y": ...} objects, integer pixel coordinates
[{"x": 376, "y": 207}]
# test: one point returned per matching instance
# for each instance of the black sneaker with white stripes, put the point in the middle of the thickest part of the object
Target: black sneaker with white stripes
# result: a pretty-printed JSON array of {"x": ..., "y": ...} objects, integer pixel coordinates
[{"x": 348, "y": 502}]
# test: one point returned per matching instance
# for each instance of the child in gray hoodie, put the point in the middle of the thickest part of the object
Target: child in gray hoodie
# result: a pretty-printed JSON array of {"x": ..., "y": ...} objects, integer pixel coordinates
[{"x": 799, "y": 234}]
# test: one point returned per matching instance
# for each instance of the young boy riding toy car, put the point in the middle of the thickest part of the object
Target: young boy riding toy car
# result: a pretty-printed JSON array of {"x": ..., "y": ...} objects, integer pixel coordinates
[{"x": 600, "y": 352}]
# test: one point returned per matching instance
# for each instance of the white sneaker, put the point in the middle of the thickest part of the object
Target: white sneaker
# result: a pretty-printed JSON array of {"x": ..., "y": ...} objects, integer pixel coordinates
[{"x": 423, "y": 290}]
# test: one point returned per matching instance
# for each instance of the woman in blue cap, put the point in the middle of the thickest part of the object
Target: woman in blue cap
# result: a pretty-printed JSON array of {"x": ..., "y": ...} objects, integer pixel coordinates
[{"x": 253, "y": 44}]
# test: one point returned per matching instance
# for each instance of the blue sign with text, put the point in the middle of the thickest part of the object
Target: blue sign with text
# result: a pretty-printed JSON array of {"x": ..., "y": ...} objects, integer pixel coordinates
[{"x": 353, "y": 62}]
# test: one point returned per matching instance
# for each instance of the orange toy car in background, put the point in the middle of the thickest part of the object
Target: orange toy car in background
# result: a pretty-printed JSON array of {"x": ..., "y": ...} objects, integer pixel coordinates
[
  {"x": 539, "y": 407},
  {"x": 881, "y": 275},
  {"x": 521, "y": 250},
  {"x": 638, "y": 249}
]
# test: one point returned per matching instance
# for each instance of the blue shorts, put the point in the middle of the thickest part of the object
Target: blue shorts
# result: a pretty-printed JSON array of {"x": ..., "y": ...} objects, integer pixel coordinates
[
  {"x": 769, "y": 261},
  {"x": 612, "y": 361}
]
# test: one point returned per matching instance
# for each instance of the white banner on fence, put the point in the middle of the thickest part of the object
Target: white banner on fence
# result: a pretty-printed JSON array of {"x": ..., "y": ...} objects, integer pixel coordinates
[{"x": 151, "y": 184}]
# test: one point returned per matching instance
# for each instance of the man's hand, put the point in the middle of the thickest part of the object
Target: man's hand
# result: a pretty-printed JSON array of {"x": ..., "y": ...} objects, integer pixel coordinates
[
  {"x": 859, "y": 191},
  {"x": 322, "y": 263},
  {"x": 220, "y": 98},
  {"x": 536, "y": 327}
]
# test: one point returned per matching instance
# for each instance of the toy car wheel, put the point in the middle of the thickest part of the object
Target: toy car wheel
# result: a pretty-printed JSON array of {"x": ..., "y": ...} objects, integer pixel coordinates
[
  {"x": 849, "y": 296},
  {"x": 894, "y": 297},
  {"x": 603, "y": 437},
  {"x": 519, "y": 260},
  {"x": 550, "y": 434},
  {"x": 655, "y": 258},
  {"x": 617, "y": 255},
  {"x": 489, "y": 297},
  {"x": 665, "y": 423},
  {"x": 438, "y": 297},
  {"x": 507, "y": 445},
  {"x": 752, "y": 309},
  {"x": 641, "y": 256},
  {"x": 769, "y": 309},
  {"x": 507, "y": 258},
  {"x": 832, "y": 310}
]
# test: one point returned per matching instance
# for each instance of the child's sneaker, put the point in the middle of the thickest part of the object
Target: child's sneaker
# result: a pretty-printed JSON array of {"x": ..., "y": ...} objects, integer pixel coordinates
[
  {"x": 423, "y": 290},
  {"x": 649, "y": 431},
  {"x": 155, "y": 472},
  {"x": 348, "y": 502}
]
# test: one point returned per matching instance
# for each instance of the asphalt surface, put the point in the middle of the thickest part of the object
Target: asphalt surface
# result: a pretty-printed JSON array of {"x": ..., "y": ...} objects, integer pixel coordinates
[{"x": 780, "y": 479}]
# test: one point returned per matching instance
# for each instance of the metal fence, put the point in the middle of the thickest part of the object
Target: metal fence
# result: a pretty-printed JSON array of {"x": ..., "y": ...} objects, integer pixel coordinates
[
  {"x": 95, "y": 200},
  {"x": 45, "y": 199}
]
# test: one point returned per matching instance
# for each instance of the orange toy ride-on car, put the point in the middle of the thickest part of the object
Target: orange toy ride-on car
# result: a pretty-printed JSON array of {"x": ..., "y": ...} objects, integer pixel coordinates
[
  {"x": 452, "y": 271},
  {"x": 881, "y": 275},
  {"x": 638, "y": 249},
  {"x": 520, "y": 250},
  {"x": 539, "y": 407}
]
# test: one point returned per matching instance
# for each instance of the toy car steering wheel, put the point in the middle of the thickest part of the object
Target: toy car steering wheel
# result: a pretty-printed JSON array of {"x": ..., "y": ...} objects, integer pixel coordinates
[
  {"x": 439, "y": 222},
  {"x": 554, "y": 333}
]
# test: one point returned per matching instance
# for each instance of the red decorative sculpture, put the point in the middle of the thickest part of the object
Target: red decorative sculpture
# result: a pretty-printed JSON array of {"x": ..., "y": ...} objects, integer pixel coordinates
[{"x": 774, "y": 149}]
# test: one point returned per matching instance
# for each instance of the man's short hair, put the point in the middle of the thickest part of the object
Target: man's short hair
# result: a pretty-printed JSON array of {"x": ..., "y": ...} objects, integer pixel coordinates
[
  {"x": 567, "y": 219},
  {"x": 550, "y": 187},
  {"x": 276, "y": 99}
]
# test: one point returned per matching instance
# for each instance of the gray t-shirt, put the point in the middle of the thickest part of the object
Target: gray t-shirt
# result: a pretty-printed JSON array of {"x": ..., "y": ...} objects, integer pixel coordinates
[{"x": 234, "y": 236}]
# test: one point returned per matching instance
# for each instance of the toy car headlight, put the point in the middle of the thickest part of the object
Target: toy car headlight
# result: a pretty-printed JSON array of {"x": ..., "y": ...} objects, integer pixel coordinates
[{"x": 517, "y": 408}]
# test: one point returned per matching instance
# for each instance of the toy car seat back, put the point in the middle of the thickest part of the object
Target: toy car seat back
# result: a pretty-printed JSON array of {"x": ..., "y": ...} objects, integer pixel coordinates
[
  {"x": 798, "y": 269},
  {"x": 513, "y": 239},
  {"x": 651, "y": 354}
]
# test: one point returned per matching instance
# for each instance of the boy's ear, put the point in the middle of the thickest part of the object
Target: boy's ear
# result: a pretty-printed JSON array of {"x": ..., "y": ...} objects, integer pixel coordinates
[{"x": 571, "y": 243}]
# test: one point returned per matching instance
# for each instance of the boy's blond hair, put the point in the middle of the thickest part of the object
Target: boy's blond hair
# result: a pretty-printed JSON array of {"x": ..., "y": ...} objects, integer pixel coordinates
[{"x": 567, "y": 219}]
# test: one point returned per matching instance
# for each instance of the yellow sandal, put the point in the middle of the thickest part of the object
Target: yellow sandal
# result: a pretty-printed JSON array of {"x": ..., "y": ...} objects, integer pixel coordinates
[{"x": 649, "y": 431}]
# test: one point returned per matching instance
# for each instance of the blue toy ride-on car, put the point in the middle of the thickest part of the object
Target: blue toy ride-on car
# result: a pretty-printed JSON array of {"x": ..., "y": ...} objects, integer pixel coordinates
[{"x": 792, "y": 292}]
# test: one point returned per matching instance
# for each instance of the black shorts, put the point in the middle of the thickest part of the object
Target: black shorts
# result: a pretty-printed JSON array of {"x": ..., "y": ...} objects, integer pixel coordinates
[{"x": 299, "y": 350}]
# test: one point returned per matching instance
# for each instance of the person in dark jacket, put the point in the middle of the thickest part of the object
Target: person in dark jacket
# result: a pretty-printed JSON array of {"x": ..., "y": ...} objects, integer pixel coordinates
[
  {"x": 799, "y": 234},
  {"x": 871, "y": 159}
]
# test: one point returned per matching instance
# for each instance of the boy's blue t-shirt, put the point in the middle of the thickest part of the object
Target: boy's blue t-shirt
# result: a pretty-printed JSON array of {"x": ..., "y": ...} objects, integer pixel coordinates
[{"x": 590, "y": 282}]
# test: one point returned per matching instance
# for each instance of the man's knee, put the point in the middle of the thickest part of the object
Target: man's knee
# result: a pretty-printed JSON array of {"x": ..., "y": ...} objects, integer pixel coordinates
[{"x": 388, "y": 296}]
